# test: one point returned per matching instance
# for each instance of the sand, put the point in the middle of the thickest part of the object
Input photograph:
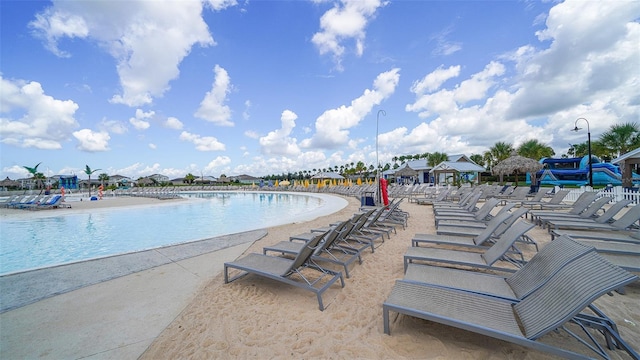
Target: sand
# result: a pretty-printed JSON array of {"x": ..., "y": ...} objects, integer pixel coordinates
[{"x": 259, "y": 318}]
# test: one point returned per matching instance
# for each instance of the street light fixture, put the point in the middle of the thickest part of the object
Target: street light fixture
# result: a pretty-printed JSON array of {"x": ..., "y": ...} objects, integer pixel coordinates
[
  {"x": 576, "y": 128},
  {"x": 378, "y": 199}
]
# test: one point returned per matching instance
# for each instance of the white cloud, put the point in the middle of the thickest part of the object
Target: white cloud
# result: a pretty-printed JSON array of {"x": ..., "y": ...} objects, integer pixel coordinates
[
  {"x": 212, "y": 107},
  {"x": 444, "y": 46},
  {"x": 247, "y": 106},
  {"x": 153, "y": 146},
  {"x": 203, "y": 143},
  {"x": 30, "y": 118},
  {"x": 173, "y": 123},
  {"x": 140, "y": 120},
  {"x": 92, "y": 141},
  {"x": 53, "y": 25},
  {"x": 148, "y": 39},
  {"x": 113, "y": 127},
  {"x": 278, "y": 142},
  {"x": 435, "y": 79},
  {"x": 216, "y": 164},
  {"x": 221, "y": 4},
  {"x": 450, "y": 101},
  {"x": 593, "y": 53},
  {"x": 251, "y": 134},
  {"x": 347, "y": 20},
  {"x": 332, "y": 127}
]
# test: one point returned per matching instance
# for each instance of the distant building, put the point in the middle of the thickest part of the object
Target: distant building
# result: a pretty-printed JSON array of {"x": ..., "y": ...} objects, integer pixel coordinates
[
  {"x": 158, "y": 178},
  {"x": 244, "y": 179}
]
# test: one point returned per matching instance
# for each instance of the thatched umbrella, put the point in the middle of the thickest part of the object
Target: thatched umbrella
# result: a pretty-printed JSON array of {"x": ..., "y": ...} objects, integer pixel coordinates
[
  {"x": 406, "y": 171},
  {"x": 9, "y": 183},
  {"x": 517, "y": 164}
]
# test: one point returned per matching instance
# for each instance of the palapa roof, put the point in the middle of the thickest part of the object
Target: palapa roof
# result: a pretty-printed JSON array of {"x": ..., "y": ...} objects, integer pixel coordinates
[
  {"x": 516, "y": 163},
  {"x": 406, "y": 171}
]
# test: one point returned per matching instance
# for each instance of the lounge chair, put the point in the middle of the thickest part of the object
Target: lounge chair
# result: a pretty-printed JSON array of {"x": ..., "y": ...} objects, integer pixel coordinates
[
  {"x": 469, "y": 205},
  {"x": 518, "y": 285},
  {"x": 327, "y": 250},
  {"x": 519, "y": 194},
  {"x": 484, "y": 260},
  {"x": 583, "y": 201},
  {"x": 606, "y": 216},
  {"x": 589, "y": 214},
  {"x": 555, "y": 201},
  {"x": 474, "y": 229},
  {"x": 285, "y": 270},
  {"x": 629, "y": 262},
  {"x": 463, "y": 222},
  {"x": 612, "y": 247},
  {"x": 464, "y": 241},
  {"x": 438, "y": 197},
  {"x": 482, "y": 214},
  {"x": 626, "y": 222},
  {"x": 632, "y": 236},
  {"x": 536, "y": 199},
  {"x": 557, "y": 304}
]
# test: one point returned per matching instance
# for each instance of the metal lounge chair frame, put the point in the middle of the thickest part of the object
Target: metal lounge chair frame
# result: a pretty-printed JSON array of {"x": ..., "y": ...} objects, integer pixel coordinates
[
  {"x": 624, "y": 222},
  {"x": 463, "y": 241},
  {"x": 589, "y": 214},
  {"x": 583, "y": 201},
  {"x": 334, "y": 253},
  {"x": 515, "y": 286},
  {"x": 283, "y": 269},
  {"x": 556, "y": 303},
  {"x": 482, "y": 214},
  {"x": 484, "y": 260}
]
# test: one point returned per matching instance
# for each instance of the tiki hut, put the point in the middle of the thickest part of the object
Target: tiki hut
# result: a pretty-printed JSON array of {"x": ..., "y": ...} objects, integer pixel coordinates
[{"x": 516, "y": 164}]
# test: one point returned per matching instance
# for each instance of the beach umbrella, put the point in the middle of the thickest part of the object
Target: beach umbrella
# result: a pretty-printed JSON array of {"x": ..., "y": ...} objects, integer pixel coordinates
[
  {"x": 9, "y": 183},
  {"x": 516, "y": 164},
  {"x": 285, "y": 183},
  {"x": 406, "y": 171},
  {"x": 276, "y": 184},
  {"x": 359, "y": 182}
]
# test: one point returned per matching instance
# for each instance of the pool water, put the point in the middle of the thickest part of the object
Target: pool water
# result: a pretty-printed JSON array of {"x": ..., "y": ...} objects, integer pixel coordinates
[{"x": 34, "y": 242}]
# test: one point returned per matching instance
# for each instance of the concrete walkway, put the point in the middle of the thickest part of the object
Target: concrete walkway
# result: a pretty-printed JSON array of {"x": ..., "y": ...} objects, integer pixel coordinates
[{"x": 111, "y": 308}]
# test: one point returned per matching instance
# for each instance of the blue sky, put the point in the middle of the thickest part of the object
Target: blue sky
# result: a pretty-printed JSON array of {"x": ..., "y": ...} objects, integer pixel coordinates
[{"x": 265, "y": 87}]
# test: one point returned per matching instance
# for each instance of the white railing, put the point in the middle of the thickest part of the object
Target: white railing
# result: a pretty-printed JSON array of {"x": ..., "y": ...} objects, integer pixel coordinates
[{"x": 617, "y": 192}]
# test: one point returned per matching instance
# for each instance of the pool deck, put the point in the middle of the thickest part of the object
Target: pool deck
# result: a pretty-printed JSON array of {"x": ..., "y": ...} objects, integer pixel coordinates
[{"x": 109, "y": 308}]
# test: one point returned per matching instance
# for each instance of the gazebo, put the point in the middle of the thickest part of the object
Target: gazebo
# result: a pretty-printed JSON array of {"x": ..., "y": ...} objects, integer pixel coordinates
[{"x": 456, "y": 167}]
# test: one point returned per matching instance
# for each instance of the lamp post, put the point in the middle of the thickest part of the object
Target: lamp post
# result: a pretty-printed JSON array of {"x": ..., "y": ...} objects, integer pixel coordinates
[
  {"x": 576, "y": 128},
  {"x": 378, "y": 200}
]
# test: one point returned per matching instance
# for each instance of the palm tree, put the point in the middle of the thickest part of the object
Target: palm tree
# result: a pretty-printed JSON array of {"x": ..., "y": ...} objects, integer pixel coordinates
[
  {"x": 189, "y": 178},
  {"x": 534, "y": 149},
  {"x": 88, "y": 171},
  {"x": 103, "y": 178},
  {"x": 477, "y": 158},
  {"x": 620, "y": 139},
  {"x": 33, "y": 170},
  {"x": 436, "y": 158},
  {"x": 498, "y": 152}
]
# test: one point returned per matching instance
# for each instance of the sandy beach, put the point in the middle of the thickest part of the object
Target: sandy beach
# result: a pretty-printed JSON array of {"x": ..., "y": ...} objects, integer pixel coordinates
[{"x": 258, "y": 318}]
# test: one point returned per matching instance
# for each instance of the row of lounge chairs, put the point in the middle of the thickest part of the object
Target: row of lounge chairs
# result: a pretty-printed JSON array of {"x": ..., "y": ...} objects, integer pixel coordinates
[
  {"x": 35, "y": 202},
  {"x": 476, "y": 283},
  {"x": 305, "y": 260}
]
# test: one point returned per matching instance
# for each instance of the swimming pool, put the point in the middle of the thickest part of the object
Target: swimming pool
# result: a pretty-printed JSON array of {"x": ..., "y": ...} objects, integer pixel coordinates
[{"x": 46, "y": 239}]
